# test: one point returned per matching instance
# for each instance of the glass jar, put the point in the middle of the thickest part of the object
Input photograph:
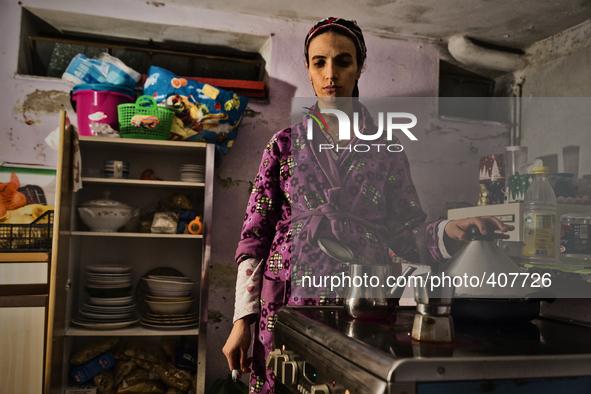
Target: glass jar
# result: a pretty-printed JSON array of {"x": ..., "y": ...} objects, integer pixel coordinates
[{"x": 575, "y": 245}]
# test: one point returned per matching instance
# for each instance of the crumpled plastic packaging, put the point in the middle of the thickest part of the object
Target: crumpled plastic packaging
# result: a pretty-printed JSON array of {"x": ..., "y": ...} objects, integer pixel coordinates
[{"x": 94, "y": 350}]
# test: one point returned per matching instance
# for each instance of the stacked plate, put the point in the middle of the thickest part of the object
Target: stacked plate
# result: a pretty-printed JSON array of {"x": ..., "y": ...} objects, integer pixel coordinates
[
  {"x": 169, "y": 299},
  {"x": 108, "y": 281},
  {"x": 192, "y": 173},
  {"x": 110, "y": 305}
]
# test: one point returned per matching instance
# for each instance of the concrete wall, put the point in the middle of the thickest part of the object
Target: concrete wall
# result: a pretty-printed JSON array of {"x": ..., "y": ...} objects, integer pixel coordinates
[
  {"x": 444, "y": 162},
  {"x": 559, "y": 68}
]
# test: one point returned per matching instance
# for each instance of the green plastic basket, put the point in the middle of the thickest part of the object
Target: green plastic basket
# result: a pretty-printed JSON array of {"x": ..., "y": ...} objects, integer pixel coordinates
[{"x": 144, "y": 119}]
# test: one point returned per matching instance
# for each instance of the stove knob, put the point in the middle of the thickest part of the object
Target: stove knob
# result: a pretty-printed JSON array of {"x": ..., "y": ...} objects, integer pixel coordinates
[
  {"x": 320, "y": 389},
  {"x": 290, "y": 373},
  {"x": 270, "y": 363},
  {"x": 278, "y": 370}
]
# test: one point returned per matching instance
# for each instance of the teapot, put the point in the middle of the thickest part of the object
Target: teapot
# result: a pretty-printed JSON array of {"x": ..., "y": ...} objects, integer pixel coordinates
[{"x": 365, "y": 302}]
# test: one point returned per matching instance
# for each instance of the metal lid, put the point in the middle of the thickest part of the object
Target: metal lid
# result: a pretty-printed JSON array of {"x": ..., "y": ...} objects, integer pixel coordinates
[
  {"x": 105, "y": 203},
  {"x": 335, "y": 249},
  {"x": 481, "y": 258}
]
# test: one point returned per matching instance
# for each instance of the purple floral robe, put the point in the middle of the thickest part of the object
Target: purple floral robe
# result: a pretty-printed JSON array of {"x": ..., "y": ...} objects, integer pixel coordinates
[{"x": 366, "y": 200}]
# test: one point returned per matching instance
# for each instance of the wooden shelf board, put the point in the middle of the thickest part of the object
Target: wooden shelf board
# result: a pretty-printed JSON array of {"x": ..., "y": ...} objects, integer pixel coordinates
[
  {"x": 24, "y": 257},
  {"x": 139, "y": 182},
  {"x": 139, "y": 144},
  {"x": 136, "y": 330},
  {"x": 135, "y": 235}
]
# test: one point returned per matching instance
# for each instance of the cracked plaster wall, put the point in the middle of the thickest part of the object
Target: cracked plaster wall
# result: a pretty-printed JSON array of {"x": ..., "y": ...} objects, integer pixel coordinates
[{"x": 444, "y": 162}]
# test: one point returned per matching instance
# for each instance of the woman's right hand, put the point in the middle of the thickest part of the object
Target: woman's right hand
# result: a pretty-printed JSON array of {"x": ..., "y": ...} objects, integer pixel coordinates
[{"x": 237, "y": 345}]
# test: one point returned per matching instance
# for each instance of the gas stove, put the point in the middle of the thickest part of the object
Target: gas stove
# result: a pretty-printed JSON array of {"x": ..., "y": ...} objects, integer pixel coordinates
[{"x": 323, "y": 350}]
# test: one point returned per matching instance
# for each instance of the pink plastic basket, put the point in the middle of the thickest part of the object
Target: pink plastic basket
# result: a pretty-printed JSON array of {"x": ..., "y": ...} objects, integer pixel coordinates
[{"x": 98, "y": 106}]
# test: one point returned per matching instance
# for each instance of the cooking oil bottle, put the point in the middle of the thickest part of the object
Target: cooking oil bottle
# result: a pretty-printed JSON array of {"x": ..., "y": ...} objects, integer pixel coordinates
[{"x": 539, "y": 220}]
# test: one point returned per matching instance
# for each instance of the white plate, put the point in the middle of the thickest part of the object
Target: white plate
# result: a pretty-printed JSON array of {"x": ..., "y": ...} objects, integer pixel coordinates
[
  {"x": 108, "y": 269},
  {"x": 109, "y": 275},
  {"x": 111, "y": 301},
  {"x": 105, "y": 326},
  {"x": 181, "y": 327},
  {"x": 113, "y": 286},
  {"x": 111, "y": 316},
  {"x": 108, "y": 309},
  {"x": 123, "y": 283}
]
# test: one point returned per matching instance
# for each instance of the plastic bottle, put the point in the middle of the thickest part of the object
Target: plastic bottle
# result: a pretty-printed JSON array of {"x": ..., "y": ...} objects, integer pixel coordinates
[
  {"x": 196, "y": 227},
  {"x": 539, "y": 220}
]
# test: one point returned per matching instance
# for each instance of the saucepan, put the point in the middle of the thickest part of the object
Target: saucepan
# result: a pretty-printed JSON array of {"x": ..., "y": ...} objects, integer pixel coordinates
[{"x": 364, "y": 302}]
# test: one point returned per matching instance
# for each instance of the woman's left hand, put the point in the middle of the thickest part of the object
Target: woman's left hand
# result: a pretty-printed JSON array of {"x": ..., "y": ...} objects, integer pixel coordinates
[{"x": 456, "y": 229}]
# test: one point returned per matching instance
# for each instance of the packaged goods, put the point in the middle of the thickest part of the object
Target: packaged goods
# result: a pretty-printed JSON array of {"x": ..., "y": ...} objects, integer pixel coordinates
[
  {"x": 106, "y": 69},
  {"x": 147, "y": 387},
  {"x": 122, "y": 369},
  {"x": 104, "y": 381},
  {"x": 81, "y": 390},
  {"x": 173, "y": 377},
  {"x": 144, "y": 351},
  {"x": 94, "y": 349},
  {"x": 84, "y": 373}
]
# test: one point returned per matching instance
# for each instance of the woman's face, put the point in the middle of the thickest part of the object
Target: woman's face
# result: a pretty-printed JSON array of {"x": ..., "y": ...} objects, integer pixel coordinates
[{"x": 332, "y": 65}]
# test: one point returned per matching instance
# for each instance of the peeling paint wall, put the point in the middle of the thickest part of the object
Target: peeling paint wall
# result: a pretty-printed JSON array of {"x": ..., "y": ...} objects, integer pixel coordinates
[
  {"x": 444, "y": 164},
  {"x": 559, "y": 68}
]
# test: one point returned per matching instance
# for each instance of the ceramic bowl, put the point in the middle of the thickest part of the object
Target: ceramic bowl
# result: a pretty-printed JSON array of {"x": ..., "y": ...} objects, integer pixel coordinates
[
  {"x": 168, "y": 285},
  {"x": 170, "y": 308},
  {"x": 167, "y": 299},
  {"x": 170, "y": 294},
  {"x": 104, "y": 215}
]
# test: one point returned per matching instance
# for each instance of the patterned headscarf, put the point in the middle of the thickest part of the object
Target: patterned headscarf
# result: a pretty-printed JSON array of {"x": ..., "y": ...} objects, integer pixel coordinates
[{"x": 350, "y": 27}]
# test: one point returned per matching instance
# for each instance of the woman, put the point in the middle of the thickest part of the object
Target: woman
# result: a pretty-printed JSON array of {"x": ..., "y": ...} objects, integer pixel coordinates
[{"x": 366, "y": 200}]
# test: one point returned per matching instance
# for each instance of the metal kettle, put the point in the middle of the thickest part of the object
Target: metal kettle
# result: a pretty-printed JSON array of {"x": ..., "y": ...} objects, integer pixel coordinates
[{"x": 365, "y": 302}]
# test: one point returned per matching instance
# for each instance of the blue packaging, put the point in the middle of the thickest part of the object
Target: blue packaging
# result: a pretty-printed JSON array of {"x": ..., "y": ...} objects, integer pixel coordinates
[
  {"x": 84, "y": 373},
  {"x": 84, "y": 70}
]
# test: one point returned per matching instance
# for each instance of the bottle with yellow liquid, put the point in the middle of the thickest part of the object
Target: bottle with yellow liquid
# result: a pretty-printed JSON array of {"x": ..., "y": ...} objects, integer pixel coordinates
[{"x": 539, "y": 220}]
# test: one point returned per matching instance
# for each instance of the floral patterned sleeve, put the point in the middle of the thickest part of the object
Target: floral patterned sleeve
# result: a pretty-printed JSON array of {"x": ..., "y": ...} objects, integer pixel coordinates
[
  {"x": 408, "y": 234},
  {"x": 264, "y": 207}
]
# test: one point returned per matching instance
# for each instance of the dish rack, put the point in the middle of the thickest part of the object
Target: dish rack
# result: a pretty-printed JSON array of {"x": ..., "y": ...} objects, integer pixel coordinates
[{"x": 32, "y": 237}]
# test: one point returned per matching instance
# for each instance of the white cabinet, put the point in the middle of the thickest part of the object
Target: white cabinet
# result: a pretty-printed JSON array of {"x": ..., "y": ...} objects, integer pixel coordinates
[{"x": 77, "y": 247}]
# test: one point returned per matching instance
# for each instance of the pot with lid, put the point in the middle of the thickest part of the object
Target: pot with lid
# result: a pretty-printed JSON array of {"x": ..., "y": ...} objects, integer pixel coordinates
[{"x": 104, "y": 215}]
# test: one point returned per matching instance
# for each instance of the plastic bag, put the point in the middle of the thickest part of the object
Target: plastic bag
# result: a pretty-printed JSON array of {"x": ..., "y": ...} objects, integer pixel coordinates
[
  {"x": 206, "y": 112},
  {"x": 147, "y": 387},
  {"x": 106, "y": 69},
  {"x": 93, "y": 350},
  {"x": 173, "y": 377},
  {"x": 228, "y": 386},
  {"x": 104, "y": 381},
  {"x": 122, "y": 369},
  {"x": 144, "y": 351}
]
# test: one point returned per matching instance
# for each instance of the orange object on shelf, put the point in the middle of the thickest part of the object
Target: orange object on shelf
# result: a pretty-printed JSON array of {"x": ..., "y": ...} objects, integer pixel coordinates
[{"x": 196, "y": 227}]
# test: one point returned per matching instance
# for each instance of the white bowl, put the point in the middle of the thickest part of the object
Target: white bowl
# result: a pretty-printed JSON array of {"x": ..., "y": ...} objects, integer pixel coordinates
[
  {"x": 170, "y": 308},
  {"x": 104, "y": 215},
  {"x": 170, "y": 294},
  {"x": 170, "y": 278},
  {"x": 169, "y": 285}
]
